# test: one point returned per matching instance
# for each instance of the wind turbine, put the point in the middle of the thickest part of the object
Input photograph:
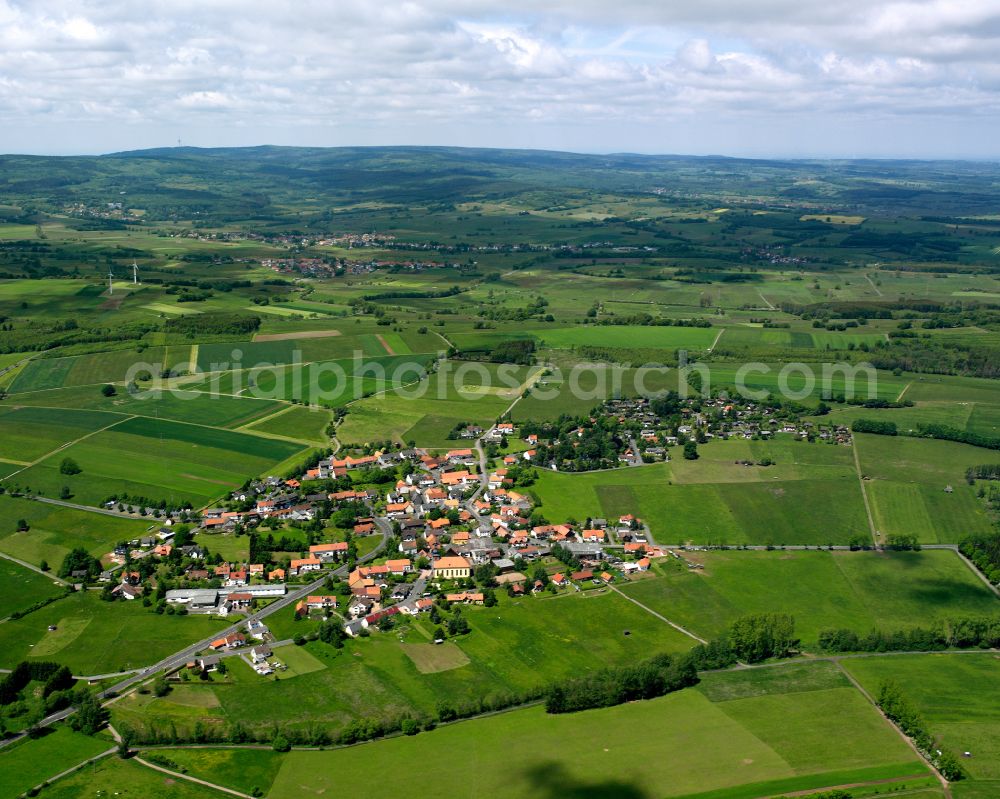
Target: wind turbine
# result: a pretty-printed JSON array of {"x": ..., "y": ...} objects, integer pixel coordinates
[
  {"x": 135, "y": 273},
  {"x": 111, "y": 285}
]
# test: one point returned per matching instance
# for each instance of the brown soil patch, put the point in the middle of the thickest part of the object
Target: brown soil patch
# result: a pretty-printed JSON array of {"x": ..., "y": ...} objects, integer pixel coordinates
[
  {"x": 385, "y": 344},
  {"x": 300, "y": 334}
]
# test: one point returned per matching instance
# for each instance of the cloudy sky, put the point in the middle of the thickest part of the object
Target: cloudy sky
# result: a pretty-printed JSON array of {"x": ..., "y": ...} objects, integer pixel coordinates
[{"x": 917, "y": 78}]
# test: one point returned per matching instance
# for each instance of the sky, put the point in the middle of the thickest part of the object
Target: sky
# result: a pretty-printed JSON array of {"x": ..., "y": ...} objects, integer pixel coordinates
[{"x": 761, "y": 78}]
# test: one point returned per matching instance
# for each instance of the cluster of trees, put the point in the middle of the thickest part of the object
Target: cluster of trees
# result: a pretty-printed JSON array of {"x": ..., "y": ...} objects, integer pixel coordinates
[
  {"x": 750, "y": 639},
  {"x": 521, "y": 351},
  {"x": 984, "y": 551},
  {"x": 597, "y": 447},
  {"x": 79, "y": 559},
  {"x": 877, "y": 426},
  {"x": 902, "y": 543},
  {"x": 985, "y": 471},
  {"x": 651, "y": 678},
  {"x": 214, "y": 324},
  {"x": 898, "y": 709},
  {"x": 413, "y": 294},
  {"x": 25, "y": 672},
  {"x": 58, "y": 692},
  {"x": 959, "y": 633}
]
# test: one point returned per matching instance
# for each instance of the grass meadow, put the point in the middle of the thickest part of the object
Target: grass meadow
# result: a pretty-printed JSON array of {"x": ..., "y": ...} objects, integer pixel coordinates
[
  {"x": 20, "y": 588},
  {"x": 29, "y": 762},
  {"x": 959, "y": 697},
  {"x": 159, "y": 459},
  {"x": 809, "y": 732},
  {"x": 516, "y": 646},
  {"x": 907, "y": 480},
  {"x": 54, "y": 531},
  {"x": 95, "y": 637},
  {"x": 810, "y": 495},
  {"x": 857, "y": 590},
  {"x": 125, "y": 779}
]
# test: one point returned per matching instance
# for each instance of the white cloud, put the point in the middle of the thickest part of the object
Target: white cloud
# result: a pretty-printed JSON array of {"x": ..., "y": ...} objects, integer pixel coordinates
[{"x": 589, "y": 74}]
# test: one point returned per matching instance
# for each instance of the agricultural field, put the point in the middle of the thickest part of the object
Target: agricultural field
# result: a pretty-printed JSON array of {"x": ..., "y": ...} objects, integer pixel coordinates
[
  {"x": 93, "y": 637},
  {"x": 54, "y": 531},
  {"x": 181, "y": 463},
  {"x": 30, "y": 762},
  {"x": 20, "y": 588},
  {"x": 297, "y": 422},
  {"x": 666, "y": 338},
  {"x": 715, "y": 500},
  {"x": 514, "y": 647},
  {"x": 959, "y": 698},
  {"x": 425, "y": 413},
  {"x": 746, "y": 738},
  {"x": 28, "y": 434},
  {"x": 82, "y": 370},
  {"x": 126, "y": 779},
  {"x": 296, "y": 288},
  {"x": 187, "y": 404},
  {"x": 822, "y": 590},
  {"x": 917, "y": 487}
]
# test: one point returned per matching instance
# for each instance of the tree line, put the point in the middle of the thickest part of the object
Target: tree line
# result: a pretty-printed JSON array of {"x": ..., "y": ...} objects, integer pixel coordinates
[
  {"x": 648, "y": 679},
  {"x": 941, "y": 432},
  {"x": 969, "y": 632}
]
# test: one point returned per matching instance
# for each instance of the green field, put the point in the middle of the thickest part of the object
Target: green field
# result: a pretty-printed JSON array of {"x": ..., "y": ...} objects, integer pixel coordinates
[
  {"x": 81, "y": 370},
  {"x": 30, "y": 433},
  {"x": 159, "y": 459},
  {"x": 55, "y": 530},
  {"x": 715, "y": 500},
  {"x": 908, "y": 482},
  {"x": 822, "y": 734},
  {"x": 855, "y": 590},
  {"x": 242, "y": 769},
  {"x": 20, "y": 588},
  {"x": 513, "y": 647},
  {"x": 30, "y": 762},
  {"x": 112, "y": 777},
  {"x": 95, "y": 637},
  {"x": 959, "y": 698},
  {"x": 428, "y": 414},
  {"x": 297, "y": 422},
  {"x": 669, "y": 338},
  {"x": 189, "y": 404}
]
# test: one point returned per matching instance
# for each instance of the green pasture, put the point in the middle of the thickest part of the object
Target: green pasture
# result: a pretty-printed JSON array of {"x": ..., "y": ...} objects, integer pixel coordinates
[
  {"x": 27, "y": 434},
  {"x": 125, "y": 779},
  {"x": 95, "y": 637},
  {"x": 776, "y": 742},
  {"x": 821, "y": 590},
  {"x": 298, "y": 422},
  {"x": 160, "y": 459},
  {"x": 516, "y": 646},
  {"x": 20, "y": 588},
  {"x": 907, "y": 481},
  {"x": 30, "y": 762},
  {"x": 55, "y": 530},
  {"x": 959, "y": 697},
  {"x": 810, "y": 496}
]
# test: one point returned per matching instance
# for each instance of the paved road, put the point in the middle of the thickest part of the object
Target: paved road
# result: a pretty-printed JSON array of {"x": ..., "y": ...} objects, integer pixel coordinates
[
  {"x": 178, "y": 659},
  {"x": 92, "y": 509}
]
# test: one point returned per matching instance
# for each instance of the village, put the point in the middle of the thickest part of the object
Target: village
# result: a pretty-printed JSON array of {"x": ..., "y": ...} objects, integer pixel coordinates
[{"x": 367, "y": 539}]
